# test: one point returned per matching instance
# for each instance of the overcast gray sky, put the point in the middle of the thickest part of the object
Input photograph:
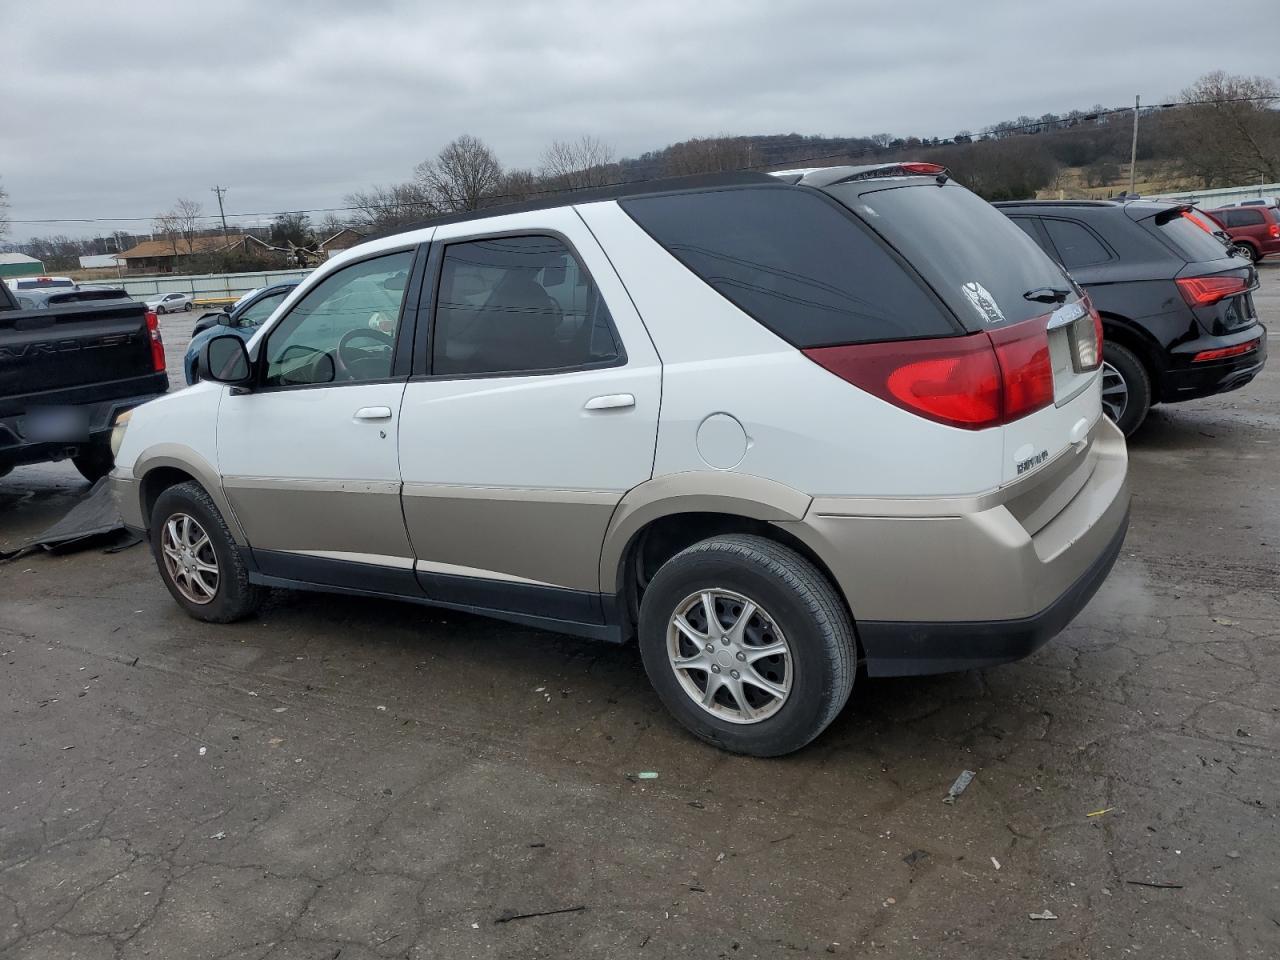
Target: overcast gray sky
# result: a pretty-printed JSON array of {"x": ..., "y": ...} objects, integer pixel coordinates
[{"x": 115, "y": 109}]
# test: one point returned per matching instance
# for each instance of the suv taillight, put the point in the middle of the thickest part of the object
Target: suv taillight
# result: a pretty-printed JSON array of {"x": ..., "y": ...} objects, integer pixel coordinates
[
  {"x": 1205, "y": 291},
  {"x": 1274, "y": 231},
  {"x": 157, "y": 343},
  {"x": 974, "y": 382}
]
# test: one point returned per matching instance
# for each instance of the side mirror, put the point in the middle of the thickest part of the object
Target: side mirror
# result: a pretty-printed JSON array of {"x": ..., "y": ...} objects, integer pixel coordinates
[
  {"x": 224, "y": 318},
  {"x": 224, "y": 359}
]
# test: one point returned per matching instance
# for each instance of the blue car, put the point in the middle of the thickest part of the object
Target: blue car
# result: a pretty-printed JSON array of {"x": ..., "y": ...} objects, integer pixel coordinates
[{"x": 243, "y": 320}]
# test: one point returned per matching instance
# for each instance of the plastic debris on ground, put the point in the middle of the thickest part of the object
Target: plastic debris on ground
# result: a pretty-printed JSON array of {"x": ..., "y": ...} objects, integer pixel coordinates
[
  {"x": 1098, "y": 813},
  {"x": 959, "y": 787},
  {"x": 1045, "y": 915}
]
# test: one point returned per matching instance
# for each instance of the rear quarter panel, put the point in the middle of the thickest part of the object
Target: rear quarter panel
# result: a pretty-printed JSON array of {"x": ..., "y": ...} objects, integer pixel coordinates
[{"x": 735, "y": 397}]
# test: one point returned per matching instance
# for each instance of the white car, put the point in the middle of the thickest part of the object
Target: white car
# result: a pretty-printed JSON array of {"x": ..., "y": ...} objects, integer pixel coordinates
[
  {"x": 769, "y": 427},
  {"x": 170, "y": 302}
]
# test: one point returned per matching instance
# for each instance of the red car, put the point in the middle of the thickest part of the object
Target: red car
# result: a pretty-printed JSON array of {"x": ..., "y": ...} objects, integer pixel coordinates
[{"x": 1256, "y": 229}]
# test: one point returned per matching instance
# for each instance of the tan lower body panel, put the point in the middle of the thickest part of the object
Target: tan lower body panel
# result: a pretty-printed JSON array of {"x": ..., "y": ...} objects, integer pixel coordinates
[
  {"x": 997, "y": 561},
  {"x": 548, "y": 537},
  {"x": 320, "y": 516}
]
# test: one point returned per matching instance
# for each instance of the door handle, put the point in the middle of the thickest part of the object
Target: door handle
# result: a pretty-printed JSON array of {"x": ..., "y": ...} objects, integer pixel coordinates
[
  {"x": 611, "y": 401},
  {"x": 373, "y": 413}
]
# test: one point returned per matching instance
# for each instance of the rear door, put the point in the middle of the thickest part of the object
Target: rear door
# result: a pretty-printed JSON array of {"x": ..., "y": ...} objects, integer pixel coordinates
[{"x": 532, "y": 410}]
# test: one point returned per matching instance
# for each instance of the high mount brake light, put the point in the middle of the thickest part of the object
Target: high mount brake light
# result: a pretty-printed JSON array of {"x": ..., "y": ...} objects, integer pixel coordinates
[
  {"x": 924, "y": 169},
  {"x": 973, "y": 382},
  {"x": 157, "y": 342},
  {"x": 1205, "y": 291}
]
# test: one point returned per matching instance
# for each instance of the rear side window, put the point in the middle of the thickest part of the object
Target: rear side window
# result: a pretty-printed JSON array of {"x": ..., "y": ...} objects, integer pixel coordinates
[
  {"x": 519, "y": 305},
  {"x": 1194, "y": 242},
  {"x": 971, "y": 253},
  {"x": 795, "y": 263},
  {"x": 1244, "y": 218},
  {"x": 1076, "y": 243}
]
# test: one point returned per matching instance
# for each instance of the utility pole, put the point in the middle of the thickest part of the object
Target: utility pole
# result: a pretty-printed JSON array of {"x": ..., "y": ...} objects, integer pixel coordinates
[
  {"x": 1133, "y": 150},
  {"x": 219, "y": 191}
]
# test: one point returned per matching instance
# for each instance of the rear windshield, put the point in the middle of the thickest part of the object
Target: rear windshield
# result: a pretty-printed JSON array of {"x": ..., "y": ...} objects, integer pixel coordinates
[
  {"x": 1195, "y": 244},
  {"x": 796, "y": 263},
  {"x": 977, "y": 260}
]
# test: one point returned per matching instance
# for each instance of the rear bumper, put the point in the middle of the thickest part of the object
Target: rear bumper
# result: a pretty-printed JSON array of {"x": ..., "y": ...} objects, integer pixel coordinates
[
  {"x": 1185, "y": 380},
  {"x": 900, "y": 648},
  {"x": 16, "y": 448},
  {"x": 945, "y": 585}
]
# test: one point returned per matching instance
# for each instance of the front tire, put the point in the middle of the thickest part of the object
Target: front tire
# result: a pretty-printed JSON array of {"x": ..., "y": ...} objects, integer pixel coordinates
[
  {"x": 747, "y": 644},
  {"x": 1126, "y": 388},
  {"x": 161, "y": 311},
  {"x": 197, "y": 557}
]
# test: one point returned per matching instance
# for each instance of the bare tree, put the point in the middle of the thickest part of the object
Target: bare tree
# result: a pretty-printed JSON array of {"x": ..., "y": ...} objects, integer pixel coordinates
[
  {"x": 1228, "y": 132},
  {"x": 4, "y": 212},
  {"x": 381, "y": 208},
  {"x": 517, "y": 185},
  {"x": 707, "y": 155},
  {"x": 585, "y": 162},
  {"x": 461, "y": 176},
  {"x": 186, "y": 217}
]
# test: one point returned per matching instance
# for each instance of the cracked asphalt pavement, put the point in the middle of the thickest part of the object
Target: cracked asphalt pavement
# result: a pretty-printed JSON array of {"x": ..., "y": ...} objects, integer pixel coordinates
[{"x": 348, "y": 778}]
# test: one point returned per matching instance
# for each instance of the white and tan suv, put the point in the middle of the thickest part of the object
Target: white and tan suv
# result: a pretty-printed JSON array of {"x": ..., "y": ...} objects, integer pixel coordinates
[{"x": 770, "y": 426}]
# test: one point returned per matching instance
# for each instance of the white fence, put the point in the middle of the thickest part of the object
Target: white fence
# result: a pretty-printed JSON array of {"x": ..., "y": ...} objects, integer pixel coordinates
[
  {"x": 208, "y": 285},
  {"x": 1216, "y": 198}
]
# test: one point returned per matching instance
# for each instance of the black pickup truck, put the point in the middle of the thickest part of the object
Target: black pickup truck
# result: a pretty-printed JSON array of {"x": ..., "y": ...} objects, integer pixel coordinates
[{"x": 71, "y": 361}]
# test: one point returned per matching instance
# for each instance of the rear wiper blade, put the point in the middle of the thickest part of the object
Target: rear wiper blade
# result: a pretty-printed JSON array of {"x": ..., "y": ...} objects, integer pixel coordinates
[{"x": 1047, "y": 294}]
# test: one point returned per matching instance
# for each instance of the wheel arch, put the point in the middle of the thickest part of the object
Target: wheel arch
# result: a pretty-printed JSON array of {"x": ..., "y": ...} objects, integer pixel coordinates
[
  {"x": 1123, "y": 331},
  {"x": 658, "y": 519},
  {"x": 168, "y": 464}
]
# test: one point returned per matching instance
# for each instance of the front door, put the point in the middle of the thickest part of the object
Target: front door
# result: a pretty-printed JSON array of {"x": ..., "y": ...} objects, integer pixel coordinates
[
  {"x": 308, "y": 457},
  {"x": 533, "y": 412}
]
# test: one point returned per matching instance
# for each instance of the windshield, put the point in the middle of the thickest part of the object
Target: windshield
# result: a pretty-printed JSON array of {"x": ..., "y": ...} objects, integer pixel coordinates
[{"x": 974, "y": 257}]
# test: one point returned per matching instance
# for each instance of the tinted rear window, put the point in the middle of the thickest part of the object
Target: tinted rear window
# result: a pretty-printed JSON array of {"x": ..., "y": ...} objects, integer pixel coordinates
[
  {"x": 977, "y": 260},
  {"x": 1194, "y": 243},
  {"x": 796, "y": 263}
]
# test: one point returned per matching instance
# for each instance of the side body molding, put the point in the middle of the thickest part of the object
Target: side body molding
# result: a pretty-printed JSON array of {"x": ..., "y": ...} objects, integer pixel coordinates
[
  {"x": 699, "y": 491},
  {"x": 187, "y": 460}
]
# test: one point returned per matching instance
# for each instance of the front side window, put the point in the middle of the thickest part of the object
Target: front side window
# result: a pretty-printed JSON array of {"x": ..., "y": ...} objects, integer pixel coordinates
[
  {"x": 1076, "y": 243},
  {"x": 344, "y": 329},
  {"x": 255, "y": 314},
  {"x": 518, "y": 305}
]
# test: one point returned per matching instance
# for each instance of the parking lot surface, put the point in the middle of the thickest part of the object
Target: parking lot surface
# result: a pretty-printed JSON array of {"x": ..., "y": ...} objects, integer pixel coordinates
[{"x": 348, "y": 778}]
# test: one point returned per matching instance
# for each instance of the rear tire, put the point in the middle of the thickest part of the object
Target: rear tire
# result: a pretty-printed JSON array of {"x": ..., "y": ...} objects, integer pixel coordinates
[
  {"x": 761, "y": 704},
  {"x": 1250, "y": 251},
  {"x": 1125, "y": 400},
  {"x": 94, "y": 462},
  {"x": 198, "y": 559},
  {"x": 186, "y": 308}
]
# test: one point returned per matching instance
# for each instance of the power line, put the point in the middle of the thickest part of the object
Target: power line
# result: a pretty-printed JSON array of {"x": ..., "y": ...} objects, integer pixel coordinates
[{"x": 995, "y": 132}]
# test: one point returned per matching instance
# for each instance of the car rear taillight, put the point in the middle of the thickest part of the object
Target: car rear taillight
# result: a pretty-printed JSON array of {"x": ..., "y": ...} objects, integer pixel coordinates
[
  {"x": 1222, "y": 353},
  {"x": 157, "y": 343},
  {"x": 1274, "y": 231},
  {"x": 973, "y": 382},
  {"x": 1204, "y": 291}
]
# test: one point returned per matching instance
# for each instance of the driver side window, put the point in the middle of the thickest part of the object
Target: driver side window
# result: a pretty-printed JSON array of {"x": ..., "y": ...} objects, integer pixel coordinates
[
  {"x": 261, "y": 310},
  {"x": 344, "y": 329}
]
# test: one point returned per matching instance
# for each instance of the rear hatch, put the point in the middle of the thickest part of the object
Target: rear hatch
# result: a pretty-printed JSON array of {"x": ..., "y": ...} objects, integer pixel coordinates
[
  {"x": 1217, "y": 286},
  {"x": 45, "y": 352},
  {"x": 1002, "y": 287}
]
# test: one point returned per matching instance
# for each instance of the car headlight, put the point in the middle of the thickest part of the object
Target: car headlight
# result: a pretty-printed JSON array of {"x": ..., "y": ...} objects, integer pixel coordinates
[{"x": 117, "y": 431}]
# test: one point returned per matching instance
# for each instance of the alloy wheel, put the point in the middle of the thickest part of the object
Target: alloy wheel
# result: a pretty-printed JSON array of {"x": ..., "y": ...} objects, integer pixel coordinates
[
  {"x": 189, "y": 558},
  {"x": 1115, "y": 393},
  {"x": 730, "y": 656}
]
